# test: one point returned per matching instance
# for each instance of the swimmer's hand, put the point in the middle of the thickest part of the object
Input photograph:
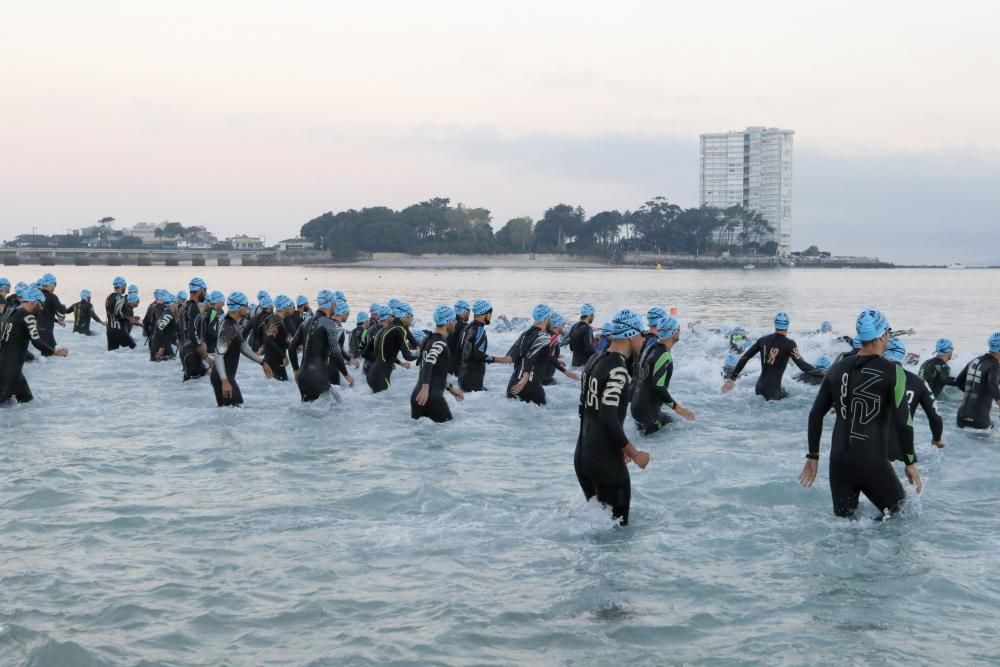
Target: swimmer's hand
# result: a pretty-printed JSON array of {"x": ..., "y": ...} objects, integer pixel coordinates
[
  {"x": 684, "y": 412},
  {"x": 406, "y": 365},
  {"x": 61, "y": 352},
  {"x": 350, "y": 380},
  {"x": 914, "y": 477},
  {"x": 572, "y": 375},
  {"x": 638, "y": 457},
  {"x": 519, "y": 387},
  {"x": 268, "y": 373},
  {"x": 728, "y": 385},
  {"x": 502, "y": 360},
  {"x": 938, "y": 443},
  {"x": 423, "y": 395},
  {"x": 457, "y": 393},
  {"x": 227, "y": 389},
  {"x": 808, "y": 475}
]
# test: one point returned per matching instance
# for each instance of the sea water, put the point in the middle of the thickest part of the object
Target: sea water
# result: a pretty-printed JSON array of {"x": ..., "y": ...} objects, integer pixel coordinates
[{"x": 140, "y": 524}]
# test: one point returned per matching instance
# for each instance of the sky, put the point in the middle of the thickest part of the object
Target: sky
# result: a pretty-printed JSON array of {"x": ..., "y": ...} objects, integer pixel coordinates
[{"x": 255, "y": 116}]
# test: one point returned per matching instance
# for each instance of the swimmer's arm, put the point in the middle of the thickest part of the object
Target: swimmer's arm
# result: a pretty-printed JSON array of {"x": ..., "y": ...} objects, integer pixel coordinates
[
  {"x": 250, "y": 354},
  {"x": 822, "y": 405},
  {"x": 929, "y": 405},
  {"x": 901, "y": 416},
  {"x": 662, "y": 371},
  {"x": 745, "y": 359},
  {"x": 220, "y": 364},
  {"x": 960, "y": 380},
  {"x": 804, "y": 365}
]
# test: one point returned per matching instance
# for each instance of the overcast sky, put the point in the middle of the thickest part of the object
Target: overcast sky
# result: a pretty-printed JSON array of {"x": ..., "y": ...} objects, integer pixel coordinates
[{"x": 255, "y": 116}]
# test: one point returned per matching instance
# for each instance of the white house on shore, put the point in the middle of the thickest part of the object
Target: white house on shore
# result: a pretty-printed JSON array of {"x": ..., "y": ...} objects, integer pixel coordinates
[
  {"x": 244, "y": 242},
  {"x": 296, "y": 244}
]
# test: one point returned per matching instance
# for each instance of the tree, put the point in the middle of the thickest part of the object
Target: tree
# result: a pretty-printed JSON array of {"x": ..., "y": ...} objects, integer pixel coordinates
[
  {"x": 560, "y": 223},
  {"x": 769, "y": 248},
  {"x": 128, "y": 242},
  {"x": 654, "y": 225},
  {"x": 811, "y": 251},
  {"x": 106, "y": 221},
  {"x": 516, "y": 235}
]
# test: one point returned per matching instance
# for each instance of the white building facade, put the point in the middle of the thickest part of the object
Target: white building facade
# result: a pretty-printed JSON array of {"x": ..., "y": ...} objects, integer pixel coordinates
[{"x": 752, "y": 169}]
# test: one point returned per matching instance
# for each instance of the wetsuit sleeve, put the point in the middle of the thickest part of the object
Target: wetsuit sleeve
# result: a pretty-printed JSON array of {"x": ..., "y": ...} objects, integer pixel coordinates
[
  {"x": 477, "y": 345},
  {"x": 404, "y": 344},
  {"x": 430, "y": 360},
  {"x": 221, "y": 346},
  {"x": 93, "y": 313},
  {"x": 902, "y": 418},
  {"x": 248, "y": 353},
  {"x": 946, "y": 377},
  {"x": 336, "y": 353},
  {"x": 803, "y": 365},
  {"x": 995, "y": 383},
  {"x": 929, "y": 405},
  {"x": 36, "y": 338},
  {"x": 960, "y": 380},
  {"x": 588, "y": 340},
  {"x": 611, "y": 398},
  {"x": 198, "y": 330},
  {"x": 272, "y": 346},
  {"x": 663, "y": 369},
  {"x": 293, "y": 347},
  {"x": 539, "y": 348},
  {"x": 745, "y": 359},
  {"x": 821, "y": 406}
]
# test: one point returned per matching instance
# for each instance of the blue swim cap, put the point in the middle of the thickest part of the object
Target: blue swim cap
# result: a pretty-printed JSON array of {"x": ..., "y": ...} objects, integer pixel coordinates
[
  {"x": 896, "y": 350},
  {"x": 826, "y": 325},
  {"x": 943, "y": 346},
  {"x": 393, "y": 302},
  {"x": 781, "y": 321},
  {"x": 265, "y": 302},
  {"x": 823, "y": 363},
  {"x": 556, "y": 321},
  {"x": 282, "y": 301},
  {"x": 655, "y": 316},
  {"x": 374, "y": 308},
  {"x": 443, "y": 315},
  {"x": 301, "y": 300},
  {"x": 342, "y": 307},
  {"x": 462, "y": 306},
  {"x": 856, "y": 343},
  {"x": 168, "y": 298},
  {"x": 158, "y": 294},
  {"x": 362, "y": 316},
  {"x": 85, "y": 294},
  {"x": 237, "y": 300},
  {"x": 738, "y": 331},
  {"x": 731, "y": 360},
  {"x": 607, "y": 329},
  {"x": 587, "y": 310},
  {"x": 402, "y": 309},
  {"x": 418, "y": 335},
  {"x": 33, "y": 294},
  {"x": 668, "y": 327},
  {"x": 626, "y": 324},
  {"x": 4, "y": 283},
  {"x": 20, "y": 289},
  {"x": 47, "y": 279},
  {"x": 384, "y": 313},
  {"x": 118, "y": 282},
  {"x": 325, "y": 299},
  {"x": 481, "y": 307},
  {"x": 197, "y": 284},
  {"x": 182, "y": 295},
  {"x": 541, "y": 312},
  {"x": 261, "y": 294},
  {"x": 215, "y": 297},
  {"x": 133, "y": 289},
  {"x": 340, "y": 295},
  {"x": 871, "y": 324},
  {"x": 995, "y": 342},
  {"x": 133, "y": 297}
]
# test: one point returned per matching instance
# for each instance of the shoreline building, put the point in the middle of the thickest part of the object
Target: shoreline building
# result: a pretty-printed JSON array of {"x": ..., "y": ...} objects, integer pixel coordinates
[{"x": 752, "y": 169}]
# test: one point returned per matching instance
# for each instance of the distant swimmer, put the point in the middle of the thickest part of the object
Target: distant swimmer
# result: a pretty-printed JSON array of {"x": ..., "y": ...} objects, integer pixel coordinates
[
  {"x": 52, "y": 312},
  {"x": 427, "y": 399},
  {"x": 917, "y": 394},
  {"x": 230, "y": 346},
  {"x": 729, "y": 364},
  {"x": 165, "y": 329},
  {"x": 825, "y": 327},
  {"x": 194, "y": 350},
  {"x": 462, "y": 312},
  {"x": 547, "y": 371},
  {"x": 341, "y": 311},
  {"x": 319, "y": 337},
  {"x": 116, "y": 316},
  {"x": 581, "y": 336},
  {"x": 868, "y": 395},
  {"x": 20, "y": 327},
  {"x": 855, "y": 346},
  {"x": 83, "y": 313},
  {"x": 391, "y": 343},
  {"x": 602, "y": 448},
  {"x": 475, "y": 343},
  {"x": 654, "y": 317},
  {"x": 738, "y": 340},
  {"x": 253, "y": 328},
  {"x": 213, "y": 317},
  {"x": 935, "y": 371},
  {"x": 652, "y": 387},
  {"x": 822, "y": 364},
  {"x": 980, "y": 380},
  {"x": 383, "y": 315},
  {"x": 357, "y": 341},
  {"x": 275, "y": 338},
  {"x": 529, "y": 354},
  {"x": 775, "y": 350}
]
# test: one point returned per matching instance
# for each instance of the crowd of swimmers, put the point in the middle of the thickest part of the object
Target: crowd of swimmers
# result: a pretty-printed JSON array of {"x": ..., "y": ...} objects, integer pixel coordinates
[{"x": 625, "y": 365}]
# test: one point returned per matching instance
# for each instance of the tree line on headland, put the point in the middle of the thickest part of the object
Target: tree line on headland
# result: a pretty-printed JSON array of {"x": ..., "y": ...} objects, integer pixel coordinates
[{"x": 435, "y": 226}]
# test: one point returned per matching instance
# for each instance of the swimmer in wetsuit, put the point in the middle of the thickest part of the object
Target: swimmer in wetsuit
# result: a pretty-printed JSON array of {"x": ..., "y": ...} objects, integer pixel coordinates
[
  {"x": 462, "y": 310},
  {"x": 319, "y": 337},
  {"x": 116, "y": 317},
  {"x": 472, "y": 370},
  {"x": 980, "y": 381},
  {"x": 165, "y": 330},
  {"x": 868, "y": 395},
  {"x": 20, "y": 327},
  {"x": 935, "y": 371},
  {"x": 822, "y": 364},
  {"x": 213, "y": 317},
  {"x": 602, "y": 449},
  {"x": 340, "y": 313},
  {"x": 547, "y": 371},
  {"x": 427, "y": 398},
  {"x": 52, "y": 312},
  {"x": 194, "y": 350},
  {"x": 652, "y": 384},
  {"x": 391, "y": 341},
  {"x": 917, "y": 394},
  {"x": 275, "y": 338},
  {"x": 775, "y": 350},
  {"x": 228, "y": 350},
  {"x": 581, "y": 337},
  {"x": 530, "y": 353},
  {"x": 383, "y": 315},
  {"x": 4, "y": 295},
  {"x": 357, "y": 341},
  {"x": 83, "y": 312},
  {"x": 737, "y": 340}
]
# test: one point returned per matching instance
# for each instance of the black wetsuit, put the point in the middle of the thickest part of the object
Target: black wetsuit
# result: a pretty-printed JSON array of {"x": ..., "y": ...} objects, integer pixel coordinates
[
  {"x": 83, "y": 313},
  {"x": 116, "y": 323},
  {"x": 253, "y": 329},
  {"x": 529, "y": 354},
  {"x": 434, "y": 357},
  {"x": 293, "y": 321},
  {"x": 599, "y": 461},
  {"x": 332, "y": 367},
  {"x": 652, "y": 389},
  {"x": 869, "y": 397},
  {"x": 276, "y": 349},
  {"x": 775, "y": 350},
  {"x": 153, "y": 313},
  {"x": 319, "y": 337},
  {"x": 213, "y": 322},
  {"x": 164, "y": 336},
  {"x": 810, "y": 378},
  {"x": 357, "y": 342},
  {"x": 918, "y": 394},
  {"x": 368, "y": 351},
  {"x": 937, "y": 374},
  {"x": 980, "y": 380},
  {"x": 553, "y": 363},
  {"x": 227, "y": 360},
  {"x": 472, "y": 368},
  {"x": 192, "y": 336},
  {"x": 390, "y": 342},
  {"x": 581, "y": 343},
  {"x": 51, "y": 310},
  {"x": 19, "y": 327},
  {"x": 454, "y": 341}
]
